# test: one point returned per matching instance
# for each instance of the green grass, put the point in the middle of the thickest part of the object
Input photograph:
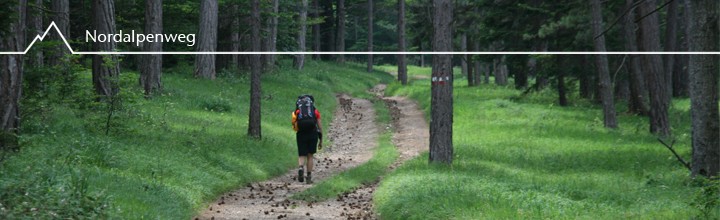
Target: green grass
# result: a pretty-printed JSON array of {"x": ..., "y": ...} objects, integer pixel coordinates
[
  {"x": 167, "y": 157},
  {"x": 369, "y": 172},
  {"x": 528, "y": 158}
]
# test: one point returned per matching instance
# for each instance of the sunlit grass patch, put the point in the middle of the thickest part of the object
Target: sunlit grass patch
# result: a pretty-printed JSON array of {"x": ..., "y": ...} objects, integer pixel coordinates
[{"x": 528, "y": 158}]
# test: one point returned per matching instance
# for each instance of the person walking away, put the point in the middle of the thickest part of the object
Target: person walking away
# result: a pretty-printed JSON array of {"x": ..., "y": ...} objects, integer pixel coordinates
[{"x": 307, "y": 124}]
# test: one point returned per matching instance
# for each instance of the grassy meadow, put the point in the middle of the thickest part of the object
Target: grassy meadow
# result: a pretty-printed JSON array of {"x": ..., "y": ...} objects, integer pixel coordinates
[
  {"x": 166, "y": 157},
  {"x": 526, "y": 157}
]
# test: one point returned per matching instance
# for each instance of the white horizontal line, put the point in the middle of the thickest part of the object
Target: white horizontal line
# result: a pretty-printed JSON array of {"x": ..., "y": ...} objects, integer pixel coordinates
[
  {"x": 395, "y": 53},
  {"x": 52, "y": 25}
]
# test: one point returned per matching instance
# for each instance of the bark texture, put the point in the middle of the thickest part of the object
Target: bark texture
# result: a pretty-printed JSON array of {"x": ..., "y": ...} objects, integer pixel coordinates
[
  {"x": 638, "y": 92},
  {"x": 464, "y": 57},
  {"x": 299, "y": 62},
  {"x": 207, "y": 39},
  {"x": 649, "y": 40},
  {"x": 235, "y": 36},
  {"x": 671, "y": 39},
  {"x": 441, "y": 145},
  {"x": 35, "y": 16},
  {"x": 105, "y": 67},
  {"x": 601, "y": 62},
  {"x": 254, "y": 128},
  {"x": 272, "y": 39},
  {"x": 316, "y": 29},
  {"x": 151, "y": 71},
  {"x": 11, "y": 74},
  {"x": 704, "y": 70},
  {"x": 402, "y": 66},
  {"x": 370, "y": 5},
  {"x": 61, "y": 16}
]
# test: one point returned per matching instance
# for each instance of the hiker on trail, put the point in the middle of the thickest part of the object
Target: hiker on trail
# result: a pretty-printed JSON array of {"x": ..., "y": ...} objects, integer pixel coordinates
[{"x": 308, "y": 127}]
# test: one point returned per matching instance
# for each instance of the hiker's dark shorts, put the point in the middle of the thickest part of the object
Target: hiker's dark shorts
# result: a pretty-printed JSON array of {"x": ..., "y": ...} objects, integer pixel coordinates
[{"x": 307, "y": 143}]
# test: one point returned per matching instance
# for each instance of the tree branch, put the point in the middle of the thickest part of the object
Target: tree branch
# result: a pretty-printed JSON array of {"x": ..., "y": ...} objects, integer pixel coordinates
[
  {"x": 618, "y": 69},
  {"x": 669, "y": 147},
  {"x": 635, "y": 5},
  {"x": 656, "y": 10}
]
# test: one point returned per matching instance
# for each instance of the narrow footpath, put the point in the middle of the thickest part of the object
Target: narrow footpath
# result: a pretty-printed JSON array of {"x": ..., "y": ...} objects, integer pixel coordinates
[{"x": 354, "y": 135}]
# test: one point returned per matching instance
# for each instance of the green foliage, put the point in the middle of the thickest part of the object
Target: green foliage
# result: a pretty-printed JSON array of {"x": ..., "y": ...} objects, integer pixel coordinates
[
  {"x": 530, "y": 159},
  {"x": 215, "y": 104},
  {"x": 8, "y": 17},
  {"x": 707, "y": 199},
  {"x": 165, "y": 157}
]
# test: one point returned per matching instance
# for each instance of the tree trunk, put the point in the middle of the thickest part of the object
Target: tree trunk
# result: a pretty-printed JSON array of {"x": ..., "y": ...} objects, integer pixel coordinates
[
  {"x": 402, "y": 66},
  {"x": 300, "y": 58},
  {"x": 254, "y": 129},
  {"x": 61, "y": 17},
  {"x": 268, "y": 60},
  {"x": 341, "y": 30},
  {"x": 35, "y": 18},
  {"x": 501, "y": 71},
  {"x": 11, "y": 71},
  {"x": 207, "y": 42},
  {"x": 272, "y": 59},
  {"x": 521, "y": 76},
  {"x": 422, "y": 57},
  {"x": 472, "y": 68},
  {"x": 671, "y": 39},
  {"x": 471, "y": 74},
  {"x": 370, "y": 36},
  {"x": 562, "y": 96},
  {"x": 585, "y": 88},
  {"x": 478, "y": 67},
  {"x": 235, "y": 36},
  {"x": 680, "y": 75},
  {"x": 316, "y": 29},
  {"x": 464, "y": 57},
  {"x": 441, "y": 145},
  {"x": 487, "y": 69},
  {"x": 105, "y": 75},
  {"x": 649, "y": 40},
  {"x": 637, "y": 103},
  {"x": 601, "y": 61},
  {"x": 151, "y": 72},
  {"x": 622, "y": 87},
  {"x": 704, "y": 89}
]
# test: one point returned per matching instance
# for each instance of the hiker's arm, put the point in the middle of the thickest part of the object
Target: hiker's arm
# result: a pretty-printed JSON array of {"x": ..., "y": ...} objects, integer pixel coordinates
[{"x": 319, "y": 124}]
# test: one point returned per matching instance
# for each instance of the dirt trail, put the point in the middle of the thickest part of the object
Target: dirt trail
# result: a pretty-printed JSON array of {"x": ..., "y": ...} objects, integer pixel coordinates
[{"x": 353, "y": 143}]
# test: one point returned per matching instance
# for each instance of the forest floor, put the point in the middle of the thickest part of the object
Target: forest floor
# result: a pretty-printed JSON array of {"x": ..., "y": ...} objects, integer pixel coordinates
[{"x": 354, "y": 135}]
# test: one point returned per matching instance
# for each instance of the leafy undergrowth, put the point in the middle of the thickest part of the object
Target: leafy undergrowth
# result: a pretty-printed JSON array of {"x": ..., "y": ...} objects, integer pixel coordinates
[
  {"x": 527, "y": 158},
  {"x": 367, "y": 173},
  {"x": 165, "y": 157}
]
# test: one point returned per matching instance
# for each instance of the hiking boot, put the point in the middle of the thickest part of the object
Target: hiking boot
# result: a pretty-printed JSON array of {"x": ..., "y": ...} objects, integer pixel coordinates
[
  {"x": 309, "y": 179},
  {"x": 300, "y": 175}
]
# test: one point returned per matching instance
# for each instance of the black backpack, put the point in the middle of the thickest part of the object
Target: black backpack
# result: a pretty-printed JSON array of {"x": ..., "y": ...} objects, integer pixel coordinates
[{"x": 306, "y": 119}]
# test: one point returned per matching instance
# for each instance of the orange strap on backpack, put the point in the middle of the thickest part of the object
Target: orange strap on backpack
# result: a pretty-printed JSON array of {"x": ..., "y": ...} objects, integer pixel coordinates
[{"x": 294, "y": 121}]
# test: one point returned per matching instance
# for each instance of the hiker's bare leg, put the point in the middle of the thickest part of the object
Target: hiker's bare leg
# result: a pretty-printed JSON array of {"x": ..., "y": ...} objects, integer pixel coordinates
[
  {"x": 301, "y": 160},
  {"x": 309, "y": 162}
]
